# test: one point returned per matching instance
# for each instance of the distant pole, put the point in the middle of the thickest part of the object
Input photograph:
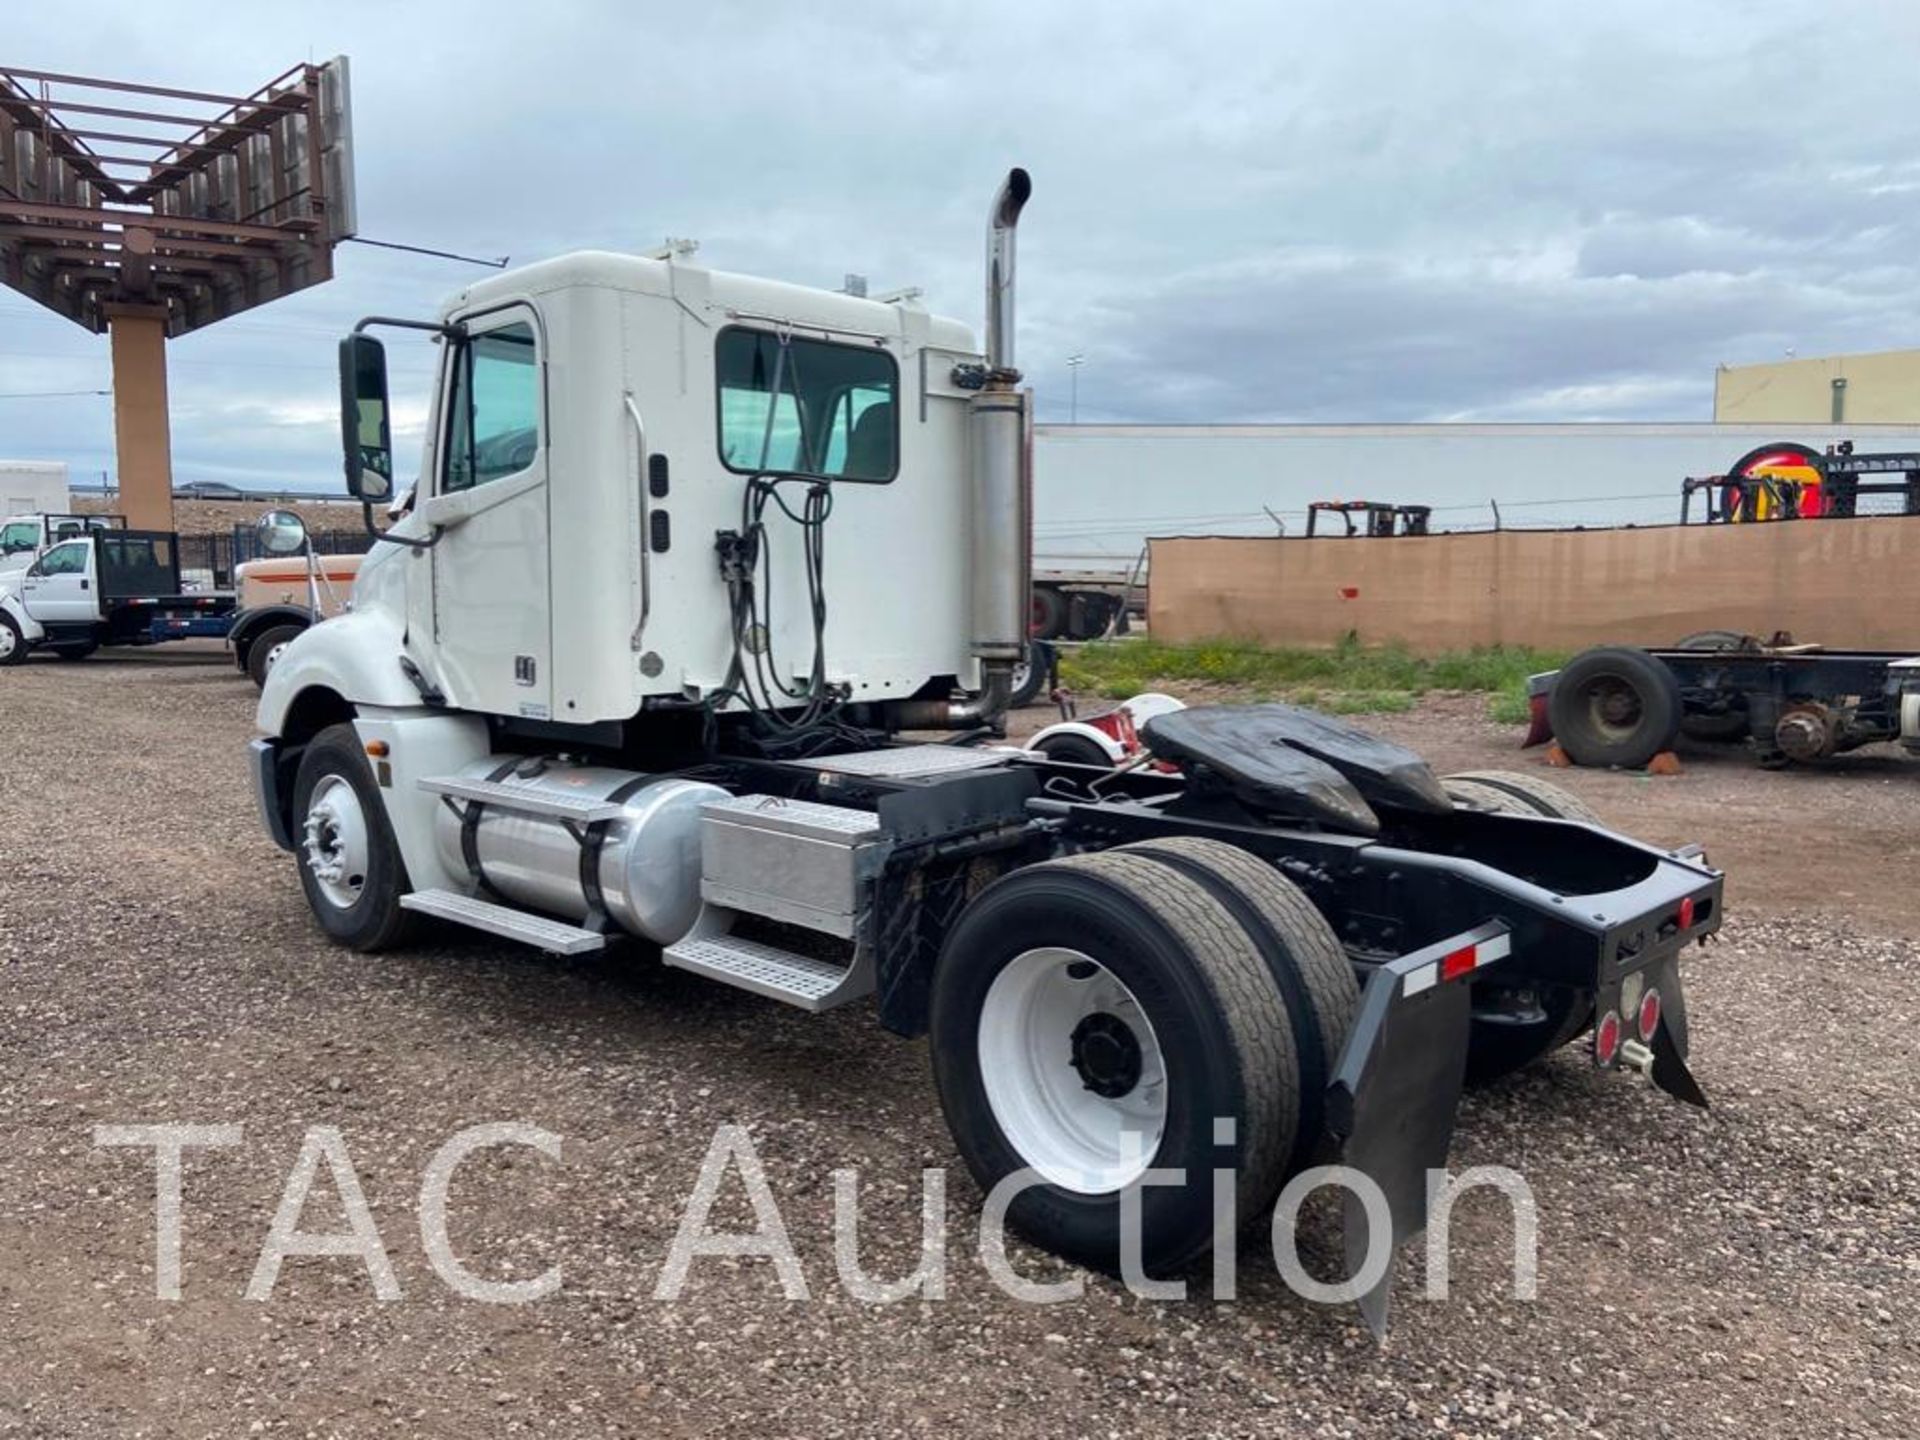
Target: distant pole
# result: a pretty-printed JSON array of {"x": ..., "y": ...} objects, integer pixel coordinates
[{"x": 1074, "y": 362}]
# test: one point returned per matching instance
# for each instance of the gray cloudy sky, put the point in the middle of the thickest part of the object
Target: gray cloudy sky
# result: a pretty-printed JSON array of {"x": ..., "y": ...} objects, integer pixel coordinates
[{"x": 1243, "y": 211}]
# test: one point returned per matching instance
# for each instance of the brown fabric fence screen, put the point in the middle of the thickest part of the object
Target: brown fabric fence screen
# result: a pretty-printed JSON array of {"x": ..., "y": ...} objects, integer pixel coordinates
[{"x": 1843, "y": 583}]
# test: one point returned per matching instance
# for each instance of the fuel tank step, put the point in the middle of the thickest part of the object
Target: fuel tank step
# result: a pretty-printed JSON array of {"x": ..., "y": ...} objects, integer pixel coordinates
[
  {"x": 556, "y": 937},
  {"x": 768, "y": 970},
  {"x": 584, "y": 809}
]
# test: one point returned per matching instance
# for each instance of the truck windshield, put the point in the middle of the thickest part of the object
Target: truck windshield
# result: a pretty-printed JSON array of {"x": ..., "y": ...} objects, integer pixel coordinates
[{"x": 806, "y": 407}]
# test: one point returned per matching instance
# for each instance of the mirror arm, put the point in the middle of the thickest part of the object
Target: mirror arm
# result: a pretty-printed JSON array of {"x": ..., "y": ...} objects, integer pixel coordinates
[
  {"x": 435, "y": 327},
  {"x": 366, "y": 517}
]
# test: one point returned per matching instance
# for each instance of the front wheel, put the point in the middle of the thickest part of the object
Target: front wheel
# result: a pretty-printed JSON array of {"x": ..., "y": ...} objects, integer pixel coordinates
[
  {"x": 1100, "y": 1016},
  {"x": 266, "y": 650},
  {"x": 1032, "y": 675},
  {"x": 13, "y": 645},
  {"x": 350, "y": 865}
]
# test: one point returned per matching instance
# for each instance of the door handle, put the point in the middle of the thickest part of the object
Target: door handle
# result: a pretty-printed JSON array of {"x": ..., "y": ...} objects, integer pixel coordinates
[{"x": 83, "y": 584}]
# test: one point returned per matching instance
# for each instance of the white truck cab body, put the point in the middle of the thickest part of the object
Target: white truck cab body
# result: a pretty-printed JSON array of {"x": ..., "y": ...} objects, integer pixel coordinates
[
  {"x": 591, "y": 435},
  {"x": 688, "y": 549},
  {"x": 25, "y": 537}
]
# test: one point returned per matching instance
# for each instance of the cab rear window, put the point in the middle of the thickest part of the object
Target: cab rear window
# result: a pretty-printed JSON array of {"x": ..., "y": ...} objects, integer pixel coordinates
[{"x": 795, "y": 406}]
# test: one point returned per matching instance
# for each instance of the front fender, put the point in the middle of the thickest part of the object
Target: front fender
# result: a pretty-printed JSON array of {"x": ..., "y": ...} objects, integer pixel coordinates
[
  {"x": 356, "y": 656},
  {"x": 31, "y": 630}
]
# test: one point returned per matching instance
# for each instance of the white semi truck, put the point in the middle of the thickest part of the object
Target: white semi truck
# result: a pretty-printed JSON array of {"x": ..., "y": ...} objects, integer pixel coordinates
[{"x": 688, "y": 551}]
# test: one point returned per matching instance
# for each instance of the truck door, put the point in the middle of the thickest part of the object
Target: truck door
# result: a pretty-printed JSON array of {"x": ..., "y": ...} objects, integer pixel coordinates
[
  {"x": 492, "y": 634},
  {"x": 58, "y": 588}
]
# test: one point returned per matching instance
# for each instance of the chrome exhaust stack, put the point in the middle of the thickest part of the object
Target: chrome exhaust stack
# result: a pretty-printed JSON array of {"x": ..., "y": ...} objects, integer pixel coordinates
[
  {"x": 1000, "y": 496},
  {"x": 1001, "y": 220},
  {"x": 1001, "y": 529}
]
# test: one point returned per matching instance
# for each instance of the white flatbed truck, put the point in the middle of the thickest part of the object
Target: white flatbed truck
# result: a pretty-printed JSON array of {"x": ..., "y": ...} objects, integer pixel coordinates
[{"x": 690, "y": 550}]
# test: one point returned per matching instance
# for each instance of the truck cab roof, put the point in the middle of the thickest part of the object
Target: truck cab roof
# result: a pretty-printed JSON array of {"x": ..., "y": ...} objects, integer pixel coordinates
[{"x": 744, "y": 297}]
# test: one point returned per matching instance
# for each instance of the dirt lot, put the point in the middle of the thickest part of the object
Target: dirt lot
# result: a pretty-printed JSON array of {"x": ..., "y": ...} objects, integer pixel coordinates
[{"x": 1753, "y": 1272}]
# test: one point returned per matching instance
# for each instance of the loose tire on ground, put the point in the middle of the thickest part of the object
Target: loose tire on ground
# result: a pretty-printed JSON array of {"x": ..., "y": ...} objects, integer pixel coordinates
[
  {"x": 1218, "y": 1025},
  {"x": 261, "y": 654},
  {"x": 13, "y": 645},
  {"x": 1500, "y": 1046},
  {"x": 1615, "y": 706},
  {"x": 360, "y": 905},
  {"x": 1302, "y": 953}
]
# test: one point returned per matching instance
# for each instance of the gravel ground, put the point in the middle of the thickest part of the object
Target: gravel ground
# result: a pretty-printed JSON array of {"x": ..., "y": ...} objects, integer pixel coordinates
[{"x": 1752, "y": 1272}]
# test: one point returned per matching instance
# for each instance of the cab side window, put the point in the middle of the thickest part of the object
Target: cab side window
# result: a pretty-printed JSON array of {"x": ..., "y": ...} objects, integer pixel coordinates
[
  {"x": 21, "y": 535},
  {"x": 493, "y": 410},
  {"x": 795, "y": 406},
  {"x": 64, "y": 560}
]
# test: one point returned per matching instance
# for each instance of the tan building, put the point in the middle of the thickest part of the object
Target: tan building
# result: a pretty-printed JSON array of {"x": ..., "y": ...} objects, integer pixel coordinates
[{"x": 1880, "y": 388}]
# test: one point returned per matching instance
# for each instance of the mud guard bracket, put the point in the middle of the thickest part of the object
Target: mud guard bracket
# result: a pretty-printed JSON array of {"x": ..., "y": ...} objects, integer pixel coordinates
[{"x": 1391, "y": 1103}]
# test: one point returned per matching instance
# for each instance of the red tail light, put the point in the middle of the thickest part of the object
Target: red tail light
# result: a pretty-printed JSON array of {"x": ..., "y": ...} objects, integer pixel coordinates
[
  {"x": 1686, "y": 913},
  {"x": 1606, "y": 1039},
  {"x": 1649, "y": 1014}
]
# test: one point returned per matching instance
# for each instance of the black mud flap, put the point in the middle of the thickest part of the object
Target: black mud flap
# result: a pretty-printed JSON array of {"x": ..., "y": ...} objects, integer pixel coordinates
[
  {"x": 1391, "y": 1104},
  {"x": 1668, "y": 1069}
]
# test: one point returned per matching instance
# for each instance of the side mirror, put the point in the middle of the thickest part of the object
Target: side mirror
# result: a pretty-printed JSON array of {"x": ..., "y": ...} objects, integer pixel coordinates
[
  {"x": 365, "y": 433},
  {"x": 281, "y": 532}
]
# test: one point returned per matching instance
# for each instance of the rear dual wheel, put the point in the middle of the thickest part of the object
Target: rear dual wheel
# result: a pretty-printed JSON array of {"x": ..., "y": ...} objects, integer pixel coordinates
[{"x": 1102, "y": 1015}]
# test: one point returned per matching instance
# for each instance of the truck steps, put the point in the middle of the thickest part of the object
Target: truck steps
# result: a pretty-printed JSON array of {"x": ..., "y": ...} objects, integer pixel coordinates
[
  {"x": 556, "y": 937},
  {"x": 768, "y": 970},
  {"x": 583, "y": 809}
]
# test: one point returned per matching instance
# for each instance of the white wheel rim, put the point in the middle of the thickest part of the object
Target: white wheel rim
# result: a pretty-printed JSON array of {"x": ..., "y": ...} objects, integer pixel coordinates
[
  {"x": 1059, "y": 1037},
  {"x": 6, "y": 641},
  {"x": 335, "y": 842},
  {"x": 273, "y": 656}
]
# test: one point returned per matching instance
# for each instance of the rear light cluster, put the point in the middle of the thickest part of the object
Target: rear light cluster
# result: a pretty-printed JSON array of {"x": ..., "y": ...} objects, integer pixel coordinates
[{"x": 1609, "y": 1033}]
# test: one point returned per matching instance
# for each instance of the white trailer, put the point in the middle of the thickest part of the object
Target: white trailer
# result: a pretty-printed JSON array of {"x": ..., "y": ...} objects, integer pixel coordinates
[
  {"x": 1100, "y": 491},
  {"x": 689, "y": 549},
  {"x": 34, "y": 487}
]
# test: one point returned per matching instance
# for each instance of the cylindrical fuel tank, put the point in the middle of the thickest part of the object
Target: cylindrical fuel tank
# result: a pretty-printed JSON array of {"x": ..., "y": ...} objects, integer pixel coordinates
[{"x": 646, "y": 864}]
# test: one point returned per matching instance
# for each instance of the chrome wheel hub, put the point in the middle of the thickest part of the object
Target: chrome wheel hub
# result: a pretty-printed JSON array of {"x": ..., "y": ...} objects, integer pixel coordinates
[{"x": 335, "y": 842}]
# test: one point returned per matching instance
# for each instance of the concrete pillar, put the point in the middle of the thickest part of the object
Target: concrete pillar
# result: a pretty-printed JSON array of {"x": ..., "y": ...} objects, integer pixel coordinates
[{"x": 142, "y": 440}]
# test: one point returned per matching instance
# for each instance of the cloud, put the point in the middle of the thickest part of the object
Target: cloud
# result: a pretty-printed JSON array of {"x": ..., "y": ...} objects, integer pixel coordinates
[{"x": 1243, "y": 211}]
